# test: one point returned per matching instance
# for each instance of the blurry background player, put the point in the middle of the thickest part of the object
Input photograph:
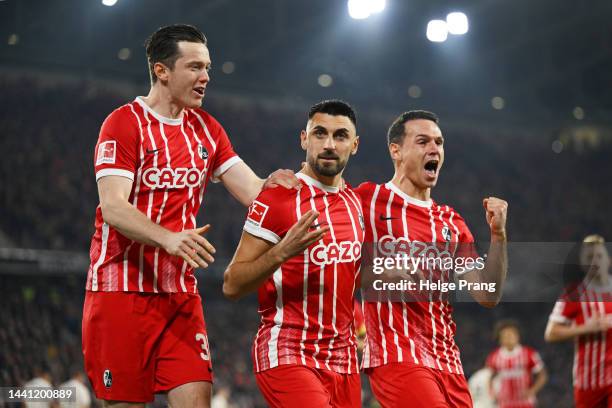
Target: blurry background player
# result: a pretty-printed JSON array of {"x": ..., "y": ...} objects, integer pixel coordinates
[
  {"x": 519, "y": 369},
  {"x": 584, "y": 314},
  {"x": 411, "y": 355},
  {"x": 143, "y": 325},
  {"x": 480, "y": 384},
  {"x": 301, "y": 251}
]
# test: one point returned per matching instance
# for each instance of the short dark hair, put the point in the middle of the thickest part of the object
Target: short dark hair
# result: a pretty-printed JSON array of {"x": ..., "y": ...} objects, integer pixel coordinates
[
  {"x": 396, "y": 133},
  {"x": 162, "y": 45},
  {"x": 334, "y": 107},
  {"x": 506, "y": 324}
]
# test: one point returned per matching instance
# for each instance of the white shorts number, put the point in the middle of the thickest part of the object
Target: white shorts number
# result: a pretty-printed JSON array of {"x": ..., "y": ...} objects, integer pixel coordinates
[{"x": 205, "y": 354}]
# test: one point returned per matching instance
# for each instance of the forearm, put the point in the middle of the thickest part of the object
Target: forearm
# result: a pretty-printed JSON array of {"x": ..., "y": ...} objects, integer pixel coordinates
[
  {"x": 561, "y": 332},
  {"x": 540, "y": 381},
  {"x": 133, "y": 224},
  {"x": 242, "y": 278},
  {"x": 495, "y": 269}
]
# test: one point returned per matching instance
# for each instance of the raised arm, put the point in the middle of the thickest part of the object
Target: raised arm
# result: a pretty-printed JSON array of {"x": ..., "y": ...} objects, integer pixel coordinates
[
  {"x": 256, "y": 259},
  {"x": 496, "y": 265},
  {"x": 242, "y": 182}
]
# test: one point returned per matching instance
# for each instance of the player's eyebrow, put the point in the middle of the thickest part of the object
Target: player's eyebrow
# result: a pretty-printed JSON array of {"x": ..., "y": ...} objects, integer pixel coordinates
[
  {"x": 319, "y": 128},
  {"x": 341, "y": 132}
]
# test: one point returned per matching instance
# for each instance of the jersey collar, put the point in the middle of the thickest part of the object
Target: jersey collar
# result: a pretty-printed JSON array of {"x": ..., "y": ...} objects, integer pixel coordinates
[
  {"x": 316, "y": 183},
  {"x": 160, "y": 118},
  {"x": 409, "y": 199}
]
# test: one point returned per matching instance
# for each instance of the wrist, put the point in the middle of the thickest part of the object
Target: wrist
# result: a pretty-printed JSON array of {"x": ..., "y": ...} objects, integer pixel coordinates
[
  {"x": 498, "y": 235},
  {"x": 277, "y": 254}
]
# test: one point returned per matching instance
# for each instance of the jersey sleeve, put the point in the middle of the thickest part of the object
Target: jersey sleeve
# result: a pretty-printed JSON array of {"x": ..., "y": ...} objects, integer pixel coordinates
[
  {"x": 466, "y": 248},
  {"x": 564, "y": 312},
  {"x": 535, "y": 362},
  {"x": 116, "y": 152},
  {"x": 225, "y": 156},
  {"x": 270, "y": 215},
  {"x": 490, "y": 363}
]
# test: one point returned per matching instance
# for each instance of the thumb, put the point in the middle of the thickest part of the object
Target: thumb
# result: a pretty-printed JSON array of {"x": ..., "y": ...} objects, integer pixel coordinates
[{"x": 202, "y": 230}]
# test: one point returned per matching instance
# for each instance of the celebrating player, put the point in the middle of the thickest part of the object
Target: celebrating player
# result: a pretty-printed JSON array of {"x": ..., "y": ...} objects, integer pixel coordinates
[
  {"x": 515, "y": 366},
  {"x": 411, "y": 356},
  {"x": 143, "y": 326},
  {"x": 301, "y": 251},
  {"x": 584, "y": 314}
]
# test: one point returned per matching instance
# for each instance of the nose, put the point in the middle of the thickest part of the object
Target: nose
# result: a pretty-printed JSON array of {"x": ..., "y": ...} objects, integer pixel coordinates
[
  {"x": 205, "y": 77},
  {"x": 330, "y": 144}
]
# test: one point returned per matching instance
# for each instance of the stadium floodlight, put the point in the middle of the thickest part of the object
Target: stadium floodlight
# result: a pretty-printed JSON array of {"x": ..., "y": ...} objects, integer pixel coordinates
[
  {"x": 457, "y": 23},
  {"x": 359, "y": 9},
  {"x": 109, "y": 2},
  {"x": 437, "y": 31},
  {"x": 376, "y": 6}
]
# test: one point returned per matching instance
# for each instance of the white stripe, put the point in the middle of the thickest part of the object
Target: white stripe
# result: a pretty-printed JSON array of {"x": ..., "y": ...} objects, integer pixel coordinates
[
  {"x": 335, "y": 292},
  {"x": 602, "y": 357},
  {"x": 594, "y": 352},
  {"x": 277, "y": 277},
  {"x": 151, "y": 194},
  {"x": 400, "y": 355},
  {"x": 321, "y": 286},
  {"x": 114, "y": 172},
  {"x": 375, "y": 253},
  {"x": 261, "y": 232},
  {"x": 431, "y": 312},
  {"x": 223, "y": 167},
  {"x": 189, "y": 197},
  {"x": 356, "y": 239},
  {"x": 136, "y": 195},
  {"x": 161, "y": 209},
  {"x": 298, "y": 215},
  {"x": 206, "y": 132},
  {"x": 94, "y": 275},
  {"x": 404, "y": 307},
  {"x": 443, "y": 313},
  {"x": 587, "y": 348}
]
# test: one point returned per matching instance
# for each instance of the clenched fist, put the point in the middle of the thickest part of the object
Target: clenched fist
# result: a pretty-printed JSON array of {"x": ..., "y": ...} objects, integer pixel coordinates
[{"x": 496, "y": 210}]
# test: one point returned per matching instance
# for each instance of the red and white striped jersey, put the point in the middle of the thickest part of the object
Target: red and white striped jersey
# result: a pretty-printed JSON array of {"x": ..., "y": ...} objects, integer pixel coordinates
[
  {"x": 592, "y": 353},
  {"x": 514, "y": 370},
  {"x": 306, "y": 306},
  {"x": 418, "y": 332},
  {"x": 170, "y": 162}
]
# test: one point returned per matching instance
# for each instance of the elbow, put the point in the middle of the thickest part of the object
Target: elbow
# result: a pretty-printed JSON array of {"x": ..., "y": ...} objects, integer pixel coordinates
[
  {"x": 230, "y": 290},
  {"x": 490, "y": 302},
  {"x": 108, "y": 210},
  {"x": 550, "y": 336}
]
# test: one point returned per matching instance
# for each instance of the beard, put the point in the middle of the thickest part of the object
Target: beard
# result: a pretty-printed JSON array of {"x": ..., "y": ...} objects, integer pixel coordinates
[{"x": 330, "y": 169}]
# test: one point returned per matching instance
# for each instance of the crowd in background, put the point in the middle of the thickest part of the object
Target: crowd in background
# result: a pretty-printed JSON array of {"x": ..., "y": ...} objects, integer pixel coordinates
[{"x": 48, "y": 198}]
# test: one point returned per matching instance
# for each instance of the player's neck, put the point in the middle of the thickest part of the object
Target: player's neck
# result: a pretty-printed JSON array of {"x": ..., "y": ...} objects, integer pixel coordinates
[
  {"x": 408, "y": 187},
  {"x": 161, "y": 102},
  {"x": 331, "y": 181}
]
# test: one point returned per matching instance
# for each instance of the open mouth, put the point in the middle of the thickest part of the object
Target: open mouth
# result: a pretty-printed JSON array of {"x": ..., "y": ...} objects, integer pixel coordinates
[
  {"x": 199, "y": 90},
  {"x": 431, "y": 167}
]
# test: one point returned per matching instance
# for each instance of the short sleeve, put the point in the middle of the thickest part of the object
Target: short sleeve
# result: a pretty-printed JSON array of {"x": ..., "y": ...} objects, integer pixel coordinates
[
  {"x": 116, "y": 152},
  {"x": 271, "y": 214},
  {"x": 225, "y": 156},
  {"x": 490, "y": 363},
  {"x": 535, "y": 361},
  {"x": 466, "y": 248},
  {"x": 564, "y": 312}
]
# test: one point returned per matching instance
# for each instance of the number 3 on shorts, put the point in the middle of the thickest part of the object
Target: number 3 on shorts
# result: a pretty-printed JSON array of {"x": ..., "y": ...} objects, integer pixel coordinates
[{"x": 205, "y": 354}]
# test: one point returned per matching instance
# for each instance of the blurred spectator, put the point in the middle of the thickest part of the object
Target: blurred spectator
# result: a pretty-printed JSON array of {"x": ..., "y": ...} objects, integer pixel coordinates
[{"x": 83, "y": 397}]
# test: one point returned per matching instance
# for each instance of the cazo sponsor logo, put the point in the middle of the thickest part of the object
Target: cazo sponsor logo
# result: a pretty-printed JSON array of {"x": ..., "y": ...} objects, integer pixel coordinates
[
  {"x": 335, "y": 252},
  {"x": 179, "y": 177}
]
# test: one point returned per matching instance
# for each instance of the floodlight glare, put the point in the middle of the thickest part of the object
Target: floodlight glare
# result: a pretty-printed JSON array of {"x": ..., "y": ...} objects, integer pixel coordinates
[
  {"x": 437, "y": 31},
  {"x": 359, "y": 9},
  {"x": 109, "y": 2},
  {"x": 457, "y": 23},
  {"x": 376, "y": 6}
]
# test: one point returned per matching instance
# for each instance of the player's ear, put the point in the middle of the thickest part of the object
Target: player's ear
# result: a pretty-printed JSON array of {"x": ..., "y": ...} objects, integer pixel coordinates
[
  {"x": 304, "y": 140},
  {"x": 355, "y": 145},
  {"x": 394, "y": 151},
  {"x": 160, "y": 71}
]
